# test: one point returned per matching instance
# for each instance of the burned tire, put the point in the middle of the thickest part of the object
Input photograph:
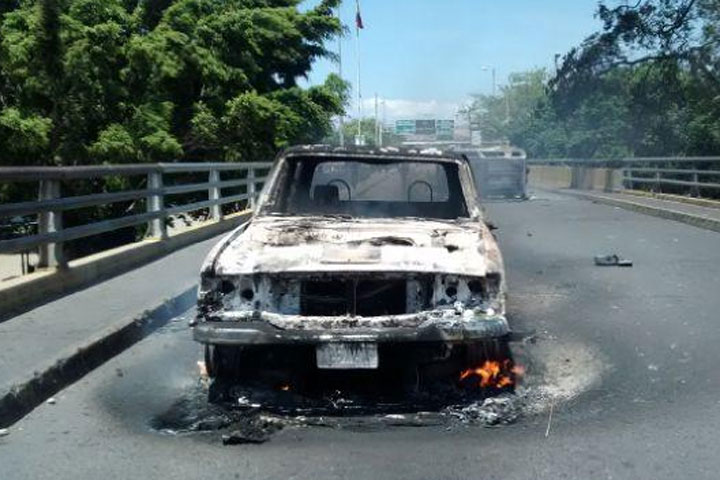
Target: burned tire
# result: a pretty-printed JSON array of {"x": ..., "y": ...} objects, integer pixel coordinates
[
  {"x": 495, "y": 349},
  {"x": 222, "y": 362}
]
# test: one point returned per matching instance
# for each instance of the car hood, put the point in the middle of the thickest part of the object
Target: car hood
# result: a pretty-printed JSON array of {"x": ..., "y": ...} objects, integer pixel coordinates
[{"x": 320, "y": 244}]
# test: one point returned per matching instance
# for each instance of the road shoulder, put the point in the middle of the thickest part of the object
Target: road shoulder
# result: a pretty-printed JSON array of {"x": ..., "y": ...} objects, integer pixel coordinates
[
  {"x": 707, "y": 218},
  {"x": 49, "y": 347}
]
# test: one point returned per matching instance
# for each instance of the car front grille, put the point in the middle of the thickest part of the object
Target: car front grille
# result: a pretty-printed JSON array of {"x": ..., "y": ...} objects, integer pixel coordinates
[{"x": 353, "y": 296}]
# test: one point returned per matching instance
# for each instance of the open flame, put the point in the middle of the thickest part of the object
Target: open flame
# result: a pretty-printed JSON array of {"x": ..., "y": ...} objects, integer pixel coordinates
[
  {"x": 203, "y": 369},
  {"x": 493, "y": 374}
]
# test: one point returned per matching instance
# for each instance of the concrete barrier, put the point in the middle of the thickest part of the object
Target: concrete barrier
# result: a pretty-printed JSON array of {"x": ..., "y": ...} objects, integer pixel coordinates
[
  {"x": 550, "y": 176},
  {"x": 575, "y": 177}
]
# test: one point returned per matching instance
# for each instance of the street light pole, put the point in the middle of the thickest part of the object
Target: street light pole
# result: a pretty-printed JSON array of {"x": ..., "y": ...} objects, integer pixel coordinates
[
  {"x": 507, "y": 108},
  {"x": 384, "y": 121},
  {"x": 494, "y": 83}
]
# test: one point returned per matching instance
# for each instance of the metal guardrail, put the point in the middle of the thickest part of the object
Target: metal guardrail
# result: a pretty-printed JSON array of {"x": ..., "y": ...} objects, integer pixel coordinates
[
  {"x": 692, "y": 174},
  {"x": 51, "y": 204},
  {"x": 618, "y": 162}
]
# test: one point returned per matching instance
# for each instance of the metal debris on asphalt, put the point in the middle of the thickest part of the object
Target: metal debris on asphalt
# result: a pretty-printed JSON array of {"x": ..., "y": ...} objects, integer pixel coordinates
[
  {"x": 612, "y": 260},
  {"x": 547, "y": 430},
  {"x": 492, "y": 411},
  {"x": 253, "y": 429},
  {"x": 238, "y": 437}
]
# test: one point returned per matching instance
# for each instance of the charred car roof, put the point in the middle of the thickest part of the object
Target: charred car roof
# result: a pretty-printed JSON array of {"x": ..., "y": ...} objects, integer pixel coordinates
[{"x": 379, "y": 154}]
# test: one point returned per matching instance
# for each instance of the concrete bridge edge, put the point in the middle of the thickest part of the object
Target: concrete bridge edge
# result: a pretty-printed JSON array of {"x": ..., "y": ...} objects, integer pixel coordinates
[{"x": 30, "y": 291}]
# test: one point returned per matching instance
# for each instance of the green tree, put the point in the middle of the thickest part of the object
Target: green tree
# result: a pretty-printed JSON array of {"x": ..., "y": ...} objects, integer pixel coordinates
[
  {"x": 643, "y": 85},
  {"x": 85, "y": 81},
  {"x": 506, "y": 116},
  {"x": 121, "y": 81},
  {"x": 367, "y": 129}
]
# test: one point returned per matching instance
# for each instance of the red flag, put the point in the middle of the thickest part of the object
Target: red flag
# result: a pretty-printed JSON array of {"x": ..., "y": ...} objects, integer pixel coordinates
[{"x": 358, "y": 18}]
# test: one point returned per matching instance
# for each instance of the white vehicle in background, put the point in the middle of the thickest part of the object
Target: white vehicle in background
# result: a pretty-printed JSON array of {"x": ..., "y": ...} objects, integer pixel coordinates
[{"x": 500, "y": 171}]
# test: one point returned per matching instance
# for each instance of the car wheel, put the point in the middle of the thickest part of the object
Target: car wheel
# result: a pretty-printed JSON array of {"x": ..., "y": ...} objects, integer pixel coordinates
[
  {"x": 221, "y": 361},
  {"x": 479, "y": 352}
]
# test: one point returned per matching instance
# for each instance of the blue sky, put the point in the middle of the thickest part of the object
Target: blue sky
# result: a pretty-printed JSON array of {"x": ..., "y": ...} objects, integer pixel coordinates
[{"x": 426, "y": 56}]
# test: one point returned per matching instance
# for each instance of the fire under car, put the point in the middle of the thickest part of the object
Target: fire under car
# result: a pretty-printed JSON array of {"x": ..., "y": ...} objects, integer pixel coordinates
[{"x": 356, "y": 259}]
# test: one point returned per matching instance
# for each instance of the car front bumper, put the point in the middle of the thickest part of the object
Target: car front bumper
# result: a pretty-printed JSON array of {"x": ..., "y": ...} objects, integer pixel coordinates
[{"x": 273, "y": 329}]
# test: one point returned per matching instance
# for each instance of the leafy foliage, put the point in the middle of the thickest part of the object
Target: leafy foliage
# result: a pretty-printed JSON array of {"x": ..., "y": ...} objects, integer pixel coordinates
[
  {"x": 124, "y": 81},
  {"x": 367, "y": 129},
  {"x": 644, "y": 85},
  {"x": 84, "y": 81}
]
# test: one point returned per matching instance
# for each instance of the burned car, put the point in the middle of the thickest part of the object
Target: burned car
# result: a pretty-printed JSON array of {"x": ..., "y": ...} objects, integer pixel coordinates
[{"x": 356, "y": 259}]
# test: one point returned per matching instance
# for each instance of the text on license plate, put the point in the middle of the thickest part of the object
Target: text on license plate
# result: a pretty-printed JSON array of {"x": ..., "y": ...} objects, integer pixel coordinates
[{"x": 347, "y": 356}]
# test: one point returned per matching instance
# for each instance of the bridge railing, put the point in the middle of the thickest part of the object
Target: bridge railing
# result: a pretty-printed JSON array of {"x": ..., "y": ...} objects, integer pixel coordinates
[
  {"x": 49, "y": 236},
  {"x": 694, "y": 176}
]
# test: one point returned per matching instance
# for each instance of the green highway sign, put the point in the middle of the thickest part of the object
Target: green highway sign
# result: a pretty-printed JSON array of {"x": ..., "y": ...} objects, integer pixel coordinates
[
  {"x": 425, "y": 127},
  {"x": 445, "y": 128},
  {"x": 405, "y": 127}
]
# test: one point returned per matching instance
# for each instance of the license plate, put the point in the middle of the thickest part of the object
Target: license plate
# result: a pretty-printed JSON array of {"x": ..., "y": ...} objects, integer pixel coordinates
[{"x": 347, "y": 356}]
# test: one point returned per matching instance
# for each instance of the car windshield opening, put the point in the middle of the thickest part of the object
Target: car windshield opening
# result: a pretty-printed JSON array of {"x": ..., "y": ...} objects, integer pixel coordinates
[{"x": 375, "y": 189}]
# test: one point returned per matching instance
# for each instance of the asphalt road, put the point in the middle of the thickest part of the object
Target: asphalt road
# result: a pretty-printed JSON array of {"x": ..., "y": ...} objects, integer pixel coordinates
[{"x": 625, "y": 358}]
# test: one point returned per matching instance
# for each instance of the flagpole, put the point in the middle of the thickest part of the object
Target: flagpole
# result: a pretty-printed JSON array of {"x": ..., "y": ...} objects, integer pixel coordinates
[
  {"x": 340, "y": 74},
  {"x": 359, "y": 94}
]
